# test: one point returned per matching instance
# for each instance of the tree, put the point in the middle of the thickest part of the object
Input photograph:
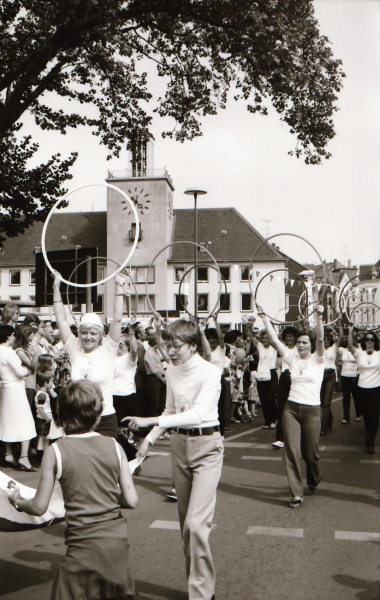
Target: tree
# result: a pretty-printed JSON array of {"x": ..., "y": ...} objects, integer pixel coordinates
[{"x": 91, "y": 51}]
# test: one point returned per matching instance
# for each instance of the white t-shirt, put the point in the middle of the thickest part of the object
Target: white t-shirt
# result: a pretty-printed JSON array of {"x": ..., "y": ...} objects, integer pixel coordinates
[
  {"x": 98, "y": 366},
  {"x": 306, "y": 378},
  {"x": 369, "y": 368},
  {"x": 349, "y": 365},
  {"x": 218, "y": 358},
  {"x": 124, "y": 376},
  {"x": 267, "y": 361},
  {"x": 285, "y": 366},
  {"x": 192, "y": 395},
  {"x": 330, "y": 357},
  {"x": 12, "y": 372}
]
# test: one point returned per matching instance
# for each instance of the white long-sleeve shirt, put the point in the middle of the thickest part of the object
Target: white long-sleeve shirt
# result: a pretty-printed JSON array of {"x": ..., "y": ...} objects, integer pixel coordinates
[{"x": 192, "y": 394}]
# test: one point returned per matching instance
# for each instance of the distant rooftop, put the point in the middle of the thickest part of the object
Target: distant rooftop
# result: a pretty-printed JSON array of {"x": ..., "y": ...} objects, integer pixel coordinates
[{"x": 141, "y": 174}]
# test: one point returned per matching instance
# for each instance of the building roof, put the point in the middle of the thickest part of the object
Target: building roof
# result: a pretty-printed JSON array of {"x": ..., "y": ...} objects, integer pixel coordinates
[
  {"x": 89, "y": 229},
  {"x": 238, "y": 243}
]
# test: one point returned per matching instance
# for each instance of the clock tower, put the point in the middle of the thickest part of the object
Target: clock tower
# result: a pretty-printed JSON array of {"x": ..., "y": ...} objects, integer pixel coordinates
[{"x": 151, "y": 191}]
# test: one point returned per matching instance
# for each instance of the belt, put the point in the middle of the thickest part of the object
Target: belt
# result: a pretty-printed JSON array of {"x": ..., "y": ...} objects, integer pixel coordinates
[{"x": 192, "y": 431}]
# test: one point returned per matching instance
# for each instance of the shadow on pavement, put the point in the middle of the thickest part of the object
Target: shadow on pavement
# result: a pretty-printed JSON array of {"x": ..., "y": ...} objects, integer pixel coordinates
[
  {"x": 156, "y": 592},
  {"x": 369, "y": 590},
  {"x": 15, "y": 577}
]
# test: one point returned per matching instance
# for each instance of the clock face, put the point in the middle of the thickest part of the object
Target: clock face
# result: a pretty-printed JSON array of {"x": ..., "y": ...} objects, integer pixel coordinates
[{"x": 139, "y": 198}]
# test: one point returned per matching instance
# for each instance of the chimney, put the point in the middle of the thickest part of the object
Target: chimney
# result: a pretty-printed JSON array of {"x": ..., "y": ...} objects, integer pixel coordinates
[
  {"x": 335, "y": 264},
  {"x": 349, "y": 264}
]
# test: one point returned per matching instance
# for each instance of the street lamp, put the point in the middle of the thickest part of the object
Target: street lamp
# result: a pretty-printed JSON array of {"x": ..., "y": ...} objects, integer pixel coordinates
[{"x": 195, "y": 191}]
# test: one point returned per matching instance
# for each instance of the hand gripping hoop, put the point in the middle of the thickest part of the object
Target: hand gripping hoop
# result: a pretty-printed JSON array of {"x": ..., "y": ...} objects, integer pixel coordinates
[{"x": 43, "y": 247}]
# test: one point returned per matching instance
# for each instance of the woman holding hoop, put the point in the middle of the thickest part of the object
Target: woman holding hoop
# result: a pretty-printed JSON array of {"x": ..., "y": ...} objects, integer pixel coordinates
[
  {"x": 368, "y": 361},
  {"x": 329, "y": 379},
  {"x": 92, "y": 356},
  {"x": 301, "y": 418}
]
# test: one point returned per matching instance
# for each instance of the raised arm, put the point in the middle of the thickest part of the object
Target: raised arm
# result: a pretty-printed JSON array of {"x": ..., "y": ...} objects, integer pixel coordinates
[
  {"x": 59, "y": 310},
  {"x": 160, "y": 345},
  {"x": 250, "y": 321},
  {"x": 219, "y": 332},
  {"x": 319, "y": 348},
  {"x": 350, "y": 341},
  {"x": 272, "y": 335},
  {"x": 206, "y": 349},
  {"x": 117, "y": 313}
]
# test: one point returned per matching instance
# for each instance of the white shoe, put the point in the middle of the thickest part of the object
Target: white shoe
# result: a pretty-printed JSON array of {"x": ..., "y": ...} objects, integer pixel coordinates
[
  {"x": 278, "y": 444},
  {"x": 172, "y": 495},
  {"x": 272, "y": 426}
]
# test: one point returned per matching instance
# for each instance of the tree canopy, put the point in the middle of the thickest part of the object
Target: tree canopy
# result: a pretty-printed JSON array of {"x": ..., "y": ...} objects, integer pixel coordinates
[{"x": 91, "y": 52}]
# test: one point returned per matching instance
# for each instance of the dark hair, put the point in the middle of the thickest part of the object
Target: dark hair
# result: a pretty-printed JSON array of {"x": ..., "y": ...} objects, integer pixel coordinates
[
  {"x": 185, "y": 331},
  {"x": 32, "y": 318},
  {"x": 54, "y": 325},
  {"x": 78, "y": 406},
  {"x": 22, "y": 336},
  {"x": 8, "y": 312},
  {"x": 231, "y": 336},
  {"x": 376, "y": 342},
  {"x": 43, "y": 377},
  {"x": 311, "y": 335},
  {"x": 329, "y": 336},
  {"x": 5, "y": 332},
  {"x": 45, "y": 363},
  {"x": 74, "y": 330},
  {"x": 289, "y": 331},
  {"x": 211, "y": 332}
]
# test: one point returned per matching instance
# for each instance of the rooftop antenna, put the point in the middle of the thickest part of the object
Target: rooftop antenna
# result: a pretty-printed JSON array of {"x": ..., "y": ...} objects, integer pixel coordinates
[{"x": 267, "y": 226}]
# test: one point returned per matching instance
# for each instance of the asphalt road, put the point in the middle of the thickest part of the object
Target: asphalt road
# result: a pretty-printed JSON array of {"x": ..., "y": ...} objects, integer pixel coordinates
[{"x": 263, "y": 550}]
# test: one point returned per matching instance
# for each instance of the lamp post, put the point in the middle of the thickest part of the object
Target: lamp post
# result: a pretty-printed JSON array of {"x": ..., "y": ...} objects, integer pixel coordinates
[{"x": 195, "y": 191}]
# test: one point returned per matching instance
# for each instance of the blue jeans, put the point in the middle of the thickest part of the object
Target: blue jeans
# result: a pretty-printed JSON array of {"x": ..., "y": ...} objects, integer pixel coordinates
[{"x": 301, "y": 424}]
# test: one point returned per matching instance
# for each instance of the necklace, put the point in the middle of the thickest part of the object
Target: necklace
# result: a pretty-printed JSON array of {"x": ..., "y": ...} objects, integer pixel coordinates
[
  {"x": 302, "y": 366},
  {"x": 369, "y": 358}
]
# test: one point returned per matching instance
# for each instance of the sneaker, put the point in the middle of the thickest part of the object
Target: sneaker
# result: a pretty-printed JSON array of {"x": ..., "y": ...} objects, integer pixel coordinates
[
  {"x": 172, "y": 495},
  {"x": 278, "y": 444},
  {"x": 233, "y": 420},
  {"x": 265, "y": 426},
  {"x": 272, "y": 426},
  {"x": 358, "y": 418},
  {"x": 295, "y": 503},
  {"x": 165, "y": 436},
  {"x": 344, "y": 422}
]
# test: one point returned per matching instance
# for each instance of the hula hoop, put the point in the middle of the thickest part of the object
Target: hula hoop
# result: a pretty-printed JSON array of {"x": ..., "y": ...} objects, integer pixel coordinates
[
  {"x": 93, "y": 258},
  {"x": 278, "y": 322},
  {"x": 43, "y": 247},
  {"x": 344, "y": 309},
  {"x": 314, "y": 302},
  {"x": 300, "y": 238},
  {"x": 160, "y": 252},
  {"x": 355, "y": 307},
  {"x": 180, "y": 284}
]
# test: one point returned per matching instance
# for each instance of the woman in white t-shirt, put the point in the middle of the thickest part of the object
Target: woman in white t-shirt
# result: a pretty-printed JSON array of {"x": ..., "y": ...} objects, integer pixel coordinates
[
  {"x": 368, "y": 361},
  {"x": 328, "y": 382},
  {"x": 124, "y": 386},
  {"x": 301, "y": 417},
  {"x": 92, "y": 355},
  {"x": 348, "y": 381},
  {"x": 266, "y": 376}
]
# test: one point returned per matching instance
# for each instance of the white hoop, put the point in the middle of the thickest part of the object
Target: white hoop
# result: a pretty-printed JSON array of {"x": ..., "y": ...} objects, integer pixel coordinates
[{"x": 87, "y": 285}]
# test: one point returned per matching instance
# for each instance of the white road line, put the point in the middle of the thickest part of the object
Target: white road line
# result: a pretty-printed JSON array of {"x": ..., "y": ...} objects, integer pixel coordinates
[
  {"x": 173, "y": 525},
  {"x": 276, "y": 531},
  {"x": 370, "y": 462},
  {"x": 356, "y": 536},
  {"x": 239, "y": 435},
  {"x": 158, "y": 454},
  {"x": 248, "y": 445},
  {"x": 341, "y": 448},
  {"x": 261, "y": 458}
]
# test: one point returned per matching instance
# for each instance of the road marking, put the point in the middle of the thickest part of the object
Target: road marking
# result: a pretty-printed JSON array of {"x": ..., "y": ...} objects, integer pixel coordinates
[
  {"x": 239, "y": 435},
  {"x": 341, "y": 448},
  {"x": 158, "y": 454},
  {"x": 261, "y": 458},
  {"x": 173, "y": 525},
  {"x": 357, "y": 536},
  {"x": 276, "y": 531},
  {"x": 330, "y": 460},
  {"x": 370, "y": 462},
  {"x": 247, "y": 445}
]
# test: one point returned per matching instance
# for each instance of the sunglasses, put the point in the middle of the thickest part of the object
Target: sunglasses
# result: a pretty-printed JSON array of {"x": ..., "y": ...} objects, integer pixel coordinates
[{"x": 371, "y": 339}]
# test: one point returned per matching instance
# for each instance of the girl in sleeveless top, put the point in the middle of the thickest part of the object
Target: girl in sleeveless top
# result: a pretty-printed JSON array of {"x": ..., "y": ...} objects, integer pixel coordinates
[{"x": 90, "y": 467}]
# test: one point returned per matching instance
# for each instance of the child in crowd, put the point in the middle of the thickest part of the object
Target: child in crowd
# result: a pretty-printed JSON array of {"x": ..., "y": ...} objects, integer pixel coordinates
[
  {"x": 45, "y": 426},
  {"x": 90, "y": 468}
]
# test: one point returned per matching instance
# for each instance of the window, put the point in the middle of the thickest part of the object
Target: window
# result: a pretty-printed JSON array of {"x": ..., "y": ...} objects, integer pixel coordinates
[
  {"x": 178, "y": 273},
  {"x": 244, "y": 274},
  {"x": 32, "y": 278},
  {"x": 100, "y": 274},
  {"x": 140, "y": 274},
  {"x": 202, "y": 302},
  {"x": 374, "y": 290},
  {"x": 329, "y": 300},
  {"x": 0, "y": 277},
  {"x": 225, "y": 272},
  {"x": 32, "y": 298},
  {"x": 225, "y": 303},
  {"x": 15, "y": 277},
  {"x": 286, "y": 303},
  {"x": 180, "y": 301},
  {"x": 15, "y": 298},
  {"x": 98, "y": 306},
  {"x": 246, "y": 302},
  {"x": 142, "y": 303},
  {"x": 202, "y": 274}
]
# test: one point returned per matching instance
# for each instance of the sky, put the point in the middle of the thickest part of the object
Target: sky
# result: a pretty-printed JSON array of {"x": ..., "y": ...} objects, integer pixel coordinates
[{"x": 242, "y": 159}]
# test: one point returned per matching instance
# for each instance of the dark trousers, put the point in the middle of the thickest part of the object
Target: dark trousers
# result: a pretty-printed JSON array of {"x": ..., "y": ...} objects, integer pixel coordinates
[
  {"x": 370, "y": 403},
  {"x": 125, "y": 406},
  {"x": 282, "y": 396},
  {"x": 349, "y": 386},
  {"x": 222, "y": 405},
  {"x": 267, "y": 393},
  {"x": 156, "y": 396},
  {"x": 327, "y": 388}
]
